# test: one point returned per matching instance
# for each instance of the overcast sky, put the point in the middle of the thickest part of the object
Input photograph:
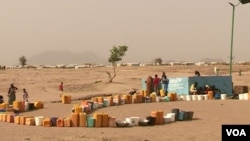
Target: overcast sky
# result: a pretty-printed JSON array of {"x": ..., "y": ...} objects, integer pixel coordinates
[{"x": 181, "y": 30}]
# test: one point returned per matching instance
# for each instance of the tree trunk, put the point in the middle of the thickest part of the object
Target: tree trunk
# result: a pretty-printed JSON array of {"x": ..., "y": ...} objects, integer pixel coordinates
[{"x": 111, "y": 77}]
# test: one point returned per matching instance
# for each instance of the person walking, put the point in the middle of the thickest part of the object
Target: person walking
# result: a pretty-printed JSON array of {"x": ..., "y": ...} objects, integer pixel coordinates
[
  {"x": 12, "y": 93},
  {"x": 25, "y": 95}
]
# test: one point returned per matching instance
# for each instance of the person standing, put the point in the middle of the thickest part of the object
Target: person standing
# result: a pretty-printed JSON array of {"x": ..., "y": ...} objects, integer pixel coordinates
[
  {"x": 149, "y": 85},
  {"x": 61, "y": 87},
  {"x": 25, "y": 96},
  {"x": 165, "y": 82},
  {"x": 12, "y": 94},
  {"x": 156, "y": 83}
]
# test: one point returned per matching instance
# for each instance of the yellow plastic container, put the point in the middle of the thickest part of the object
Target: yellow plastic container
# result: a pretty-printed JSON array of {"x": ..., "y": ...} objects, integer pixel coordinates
[
  {"x": 74, "y": 119},
  {"x": 82, "y": 120}
]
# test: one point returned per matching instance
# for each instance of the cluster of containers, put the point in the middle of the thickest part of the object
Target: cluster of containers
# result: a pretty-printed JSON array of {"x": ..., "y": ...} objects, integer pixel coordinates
[
  {"x": 244, "y": 96},
  {"x": 20, "y": 106},
  {"x": 156, "y": 118}
]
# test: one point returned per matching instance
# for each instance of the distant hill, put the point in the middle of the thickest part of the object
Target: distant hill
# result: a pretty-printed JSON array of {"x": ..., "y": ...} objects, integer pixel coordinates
[{"x": 65, "y": 57}]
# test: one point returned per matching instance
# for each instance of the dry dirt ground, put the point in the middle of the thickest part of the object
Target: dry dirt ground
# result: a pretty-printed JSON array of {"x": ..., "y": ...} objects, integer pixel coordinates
[{"x": 42, "y": 85}]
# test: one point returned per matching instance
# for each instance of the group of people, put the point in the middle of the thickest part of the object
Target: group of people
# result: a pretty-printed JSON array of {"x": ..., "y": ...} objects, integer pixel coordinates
[
  {"x": 194, "y": 89},
  {"x": 12, "y": 94},
  {"x": 157, "y": 83}
]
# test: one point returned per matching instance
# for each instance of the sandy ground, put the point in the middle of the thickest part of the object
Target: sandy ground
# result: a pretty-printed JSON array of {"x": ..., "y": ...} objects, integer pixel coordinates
[{"x": 43, "y": 84}]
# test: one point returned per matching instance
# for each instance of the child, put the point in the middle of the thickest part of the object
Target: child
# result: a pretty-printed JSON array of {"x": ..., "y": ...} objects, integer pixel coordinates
[{"x": 25, "y": 95}]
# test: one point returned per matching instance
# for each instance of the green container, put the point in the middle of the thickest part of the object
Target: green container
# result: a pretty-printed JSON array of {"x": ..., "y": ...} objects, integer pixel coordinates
[
  {"x": 105, "y": 103},
  {"x": 90, "y": 121}
]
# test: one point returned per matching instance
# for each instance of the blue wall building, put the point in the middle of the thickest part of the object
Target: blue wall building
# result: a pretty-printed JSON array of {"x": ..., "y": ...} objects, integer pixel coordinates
[{"x": 181, "y": 85}]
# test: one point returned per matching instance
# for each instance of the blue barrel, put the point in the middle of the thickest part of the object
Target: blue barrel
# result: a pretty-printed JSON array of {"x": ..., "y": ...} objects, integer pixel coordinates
[{"x": 90, "y": 121}]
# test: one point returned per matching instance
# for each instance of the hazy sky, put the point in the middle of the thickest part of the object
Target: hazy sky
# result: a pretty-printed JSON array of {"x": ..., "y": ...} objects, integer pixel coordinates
[{"x": 180, "y": 30}]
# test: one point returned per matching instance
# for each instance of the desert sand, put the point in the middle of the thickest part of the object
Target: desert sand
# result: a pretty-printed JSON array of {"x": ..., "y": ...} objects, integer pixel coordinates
[{"x": 42, "y": 85}]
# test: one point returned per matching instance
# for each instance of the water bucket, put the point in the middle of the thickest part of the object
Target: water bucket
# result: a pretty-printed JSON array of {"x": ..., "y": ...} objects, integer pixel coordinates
[
  {"x": 246, "y": 96},
  {"x": 188, "y": 98},
  {"x": 182, "y": 97},
  {"x": 90, "y": 121},
  {"x": 31, "y": 106},
  {"x": 53, "y": 121},
  {"x": 171, "y": 116},
  {"x": 194, "y": 97},
  {"x": 205, "y": 97},
  {"x": 190, "y": 115},
  {"x": 241, "y": 96},
  {"x": 181, "y": 116},
  {"x": 135, "y": 121},
  {"x": 151, "y": 120},
  {"x": 200, "y": 97},
  {"x": 39, "y": 120},
  {"x": 217, "y": 96},
  {"x": 176, "y": 111},
  {"x": 223, "y": 96},
  {"x": 167, "y": 119}
]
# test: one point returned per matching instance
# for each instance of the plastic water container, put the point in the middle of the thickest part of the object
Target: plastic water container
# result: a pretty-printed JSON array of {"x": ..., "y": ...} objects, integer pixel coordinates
[
  {"x": 188, "y": 98},
  {"x": 171, "y": 116},
  {"x": 246, "y": 96},
  {"x": 167, "y": 119},
  {"x": 105, "y": 102},
  {"x": 182, "y": 97},
  {"x": 194, "y": 97},
  {"x": 205, "y": 97},
  {"x": 39, "y": 120},
  {"x": 223, "y": 96},
  {"x": 200, "y": 97},
  {"x": 90, "y": 121},
  {"x": 26, "y": 106},
  {"x": 241, "y": 96}
]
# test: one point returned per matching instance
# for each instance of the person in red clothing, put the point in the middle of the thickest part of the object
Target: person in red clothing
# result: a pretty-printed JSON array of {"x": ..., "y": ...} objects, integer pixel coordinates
[
  {"x": 61, "y": 87},
  {"x": 156, "y": 83}
]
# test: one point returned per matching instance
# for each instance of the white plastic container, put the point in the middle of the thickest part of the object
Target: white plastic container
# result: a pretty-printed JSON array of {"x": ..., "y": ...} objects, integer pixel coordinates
[
  {"x": 194, "y": 97},
  {"x": 39, "y": 120},
  {"x": 132, "y": 121},
  {"x": 171, "y": 116},
  {"x": 246, "y": 96},
  {"x": 223, "y": 96},
  {"x": 182, "y": 97},
  {"x": 241, "y": 96},
  {"x": 205, "y": 97},
  {"x": 167, "y": 119},
  {"x": 200, "y": 97},
  {"x": 188, "y": 98}
]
